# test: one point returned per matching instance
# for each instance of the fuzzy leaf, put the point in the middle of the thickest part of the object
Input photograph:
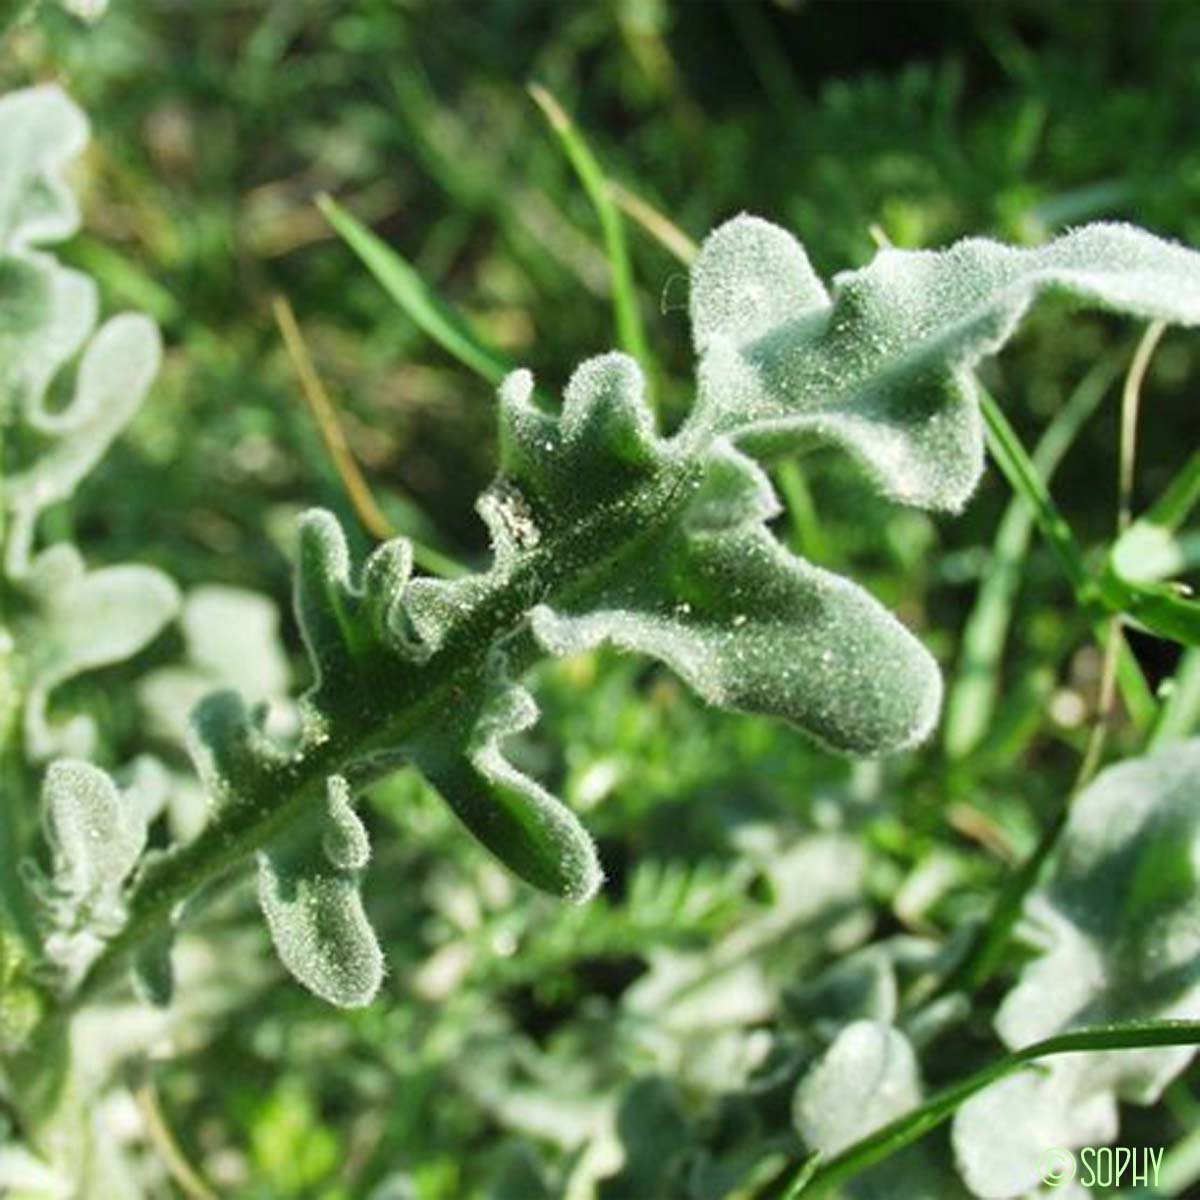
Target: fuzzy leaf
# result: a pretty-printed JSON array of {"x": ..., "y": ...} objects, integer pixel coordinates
[
  {"x": 883, "y": 367},
  {"x": 603, "y": 530},
  {"x": 232, "y": 636},
  {"x": 231, "y": 752},
  {"x": 232, "y": 639},
  {"x": 1118, "y": 924},
  {"x": 89, "y": 620},
  {"x": 344, "y": 840},
  {"x": 46, "y": 314},
  {"x": 347, "y": 624},
  {"x": 69, "y": 621},
  {"x": 751, "y": 627},
  {"x": 533, "y": 833},
  {"x": 117, "y": 369},
  {"x": 41, "y": 131},
  {"x": 314, "y": 910},
  {"x": 867, "y": 1078},
  {"x": 95, "y": 835},
  {"x": 1002, "y": 1134}
]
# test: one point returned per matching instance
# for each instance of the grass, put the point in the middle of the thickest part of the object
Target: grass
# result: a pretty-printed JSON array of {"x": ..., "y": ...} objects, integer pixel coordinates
[{"x": 463, "y": 241}]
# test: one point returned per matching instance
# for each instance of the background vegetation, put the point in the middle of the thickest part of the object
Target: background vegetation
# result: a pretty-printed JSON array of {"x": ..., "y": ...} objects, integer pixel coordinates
[{"x": 520, "y": 1047}]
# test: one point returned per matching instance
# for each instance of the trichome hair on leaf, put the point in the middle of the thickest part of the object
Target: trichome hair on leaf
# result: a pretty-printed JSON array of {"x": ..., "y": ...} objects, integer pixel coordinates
[{"x": 605, "y": 531}]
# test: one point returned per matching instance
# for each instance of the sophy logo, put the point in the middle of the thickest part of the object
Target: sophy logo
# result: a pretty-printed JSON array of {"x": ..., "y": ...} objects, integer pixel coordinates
[
  {"x": 1057, "y": 1166},
  {"x": 1103, "y": 1166}
]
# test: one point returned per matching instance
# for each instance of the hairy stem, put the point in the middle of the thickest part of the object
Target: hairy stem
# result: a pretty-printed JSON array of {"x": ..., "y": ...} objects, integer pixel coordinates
[{"x": 395, "y": 711}]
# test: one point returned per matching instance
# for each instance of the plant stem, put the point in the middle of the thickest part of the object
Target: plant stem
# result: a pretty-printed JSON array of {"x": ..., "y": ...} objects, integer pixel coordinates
[
  {"x": 325, "y": 415},
  {"x": 334, "y": 437},
  {"x": 941, "y": 1107},
  {"x": 971, "y": 701},
  {"x": 400, "y": 699},
  {"x": 1018, "y": 468},
  {"x": 630, "y": 335},
  {"x": 397, "y": 277}
]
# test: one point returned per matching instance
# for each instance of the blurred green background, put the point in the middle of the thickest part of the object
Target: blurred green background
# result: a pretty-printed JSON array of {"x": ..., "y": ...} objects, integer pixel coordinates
[{"x": 521, "y": 1048}]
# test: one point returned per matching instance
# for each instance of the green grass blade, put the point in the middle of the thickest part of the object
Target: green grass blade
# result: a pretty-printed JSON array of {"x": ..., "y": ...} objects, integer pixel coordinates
[
  {"x": 402, "y": 282},
  {"x": 1024, "y": 478},
  {"x": 941, "y": 1107},
  {"x": 972, "y": 699},
  {"x": 806, "y": 537},
  {"x": 626, "y": 314},
  {"x": 1179, "y": 499},
  {"x": 1180, "y": 713}
]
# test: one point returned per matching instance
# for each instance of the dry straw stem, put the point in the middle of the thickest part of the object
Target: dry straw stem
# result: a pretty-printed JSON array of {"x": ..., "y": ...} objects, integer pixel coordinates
[{"x": 325, "y": 415}]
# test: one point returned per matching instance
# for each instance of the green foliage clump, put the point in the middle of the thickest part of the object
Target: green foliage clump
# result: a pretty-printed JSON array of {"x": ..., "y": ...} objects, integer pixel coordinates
[{"x": 728, "y": 1016}]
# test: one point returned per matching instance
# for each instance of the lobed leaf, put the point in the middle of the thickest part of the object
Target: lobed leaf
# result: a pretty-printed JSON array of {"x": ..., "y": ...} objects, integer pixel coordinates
[
  {"x": 532, "y": 832},
  {"x": 313, "y": 908},
  {"x": 86, "y": 620},
  {"x": 603, "y": 530},
  {"x": 74, "y": 621},
  {"x": 41, "y": 132},
  {"x": 750, "y": 627},
  {"x": 882, "y": 367},
  {"x": 95, "y": 835}
]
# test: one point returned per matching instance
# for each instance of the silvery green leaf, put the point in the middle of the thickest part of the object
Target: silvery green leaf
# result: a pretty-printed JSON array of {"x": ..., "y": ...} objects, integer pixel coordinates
[
  {"x": 603, "y": 530},
  {"x": 602, "y": 440},
  {"x": 95, "y": 834},
  {"x": 22, "y": 1173},
  {"x": 867, "y": 1077},
  {"x": 751, "y": 627},
  {"x": 87, "y": 620},
  {"x": 656, "y": 1137},
  {"x": 46, "y": 314},
  {"x": 348, "y": 625},
  {"x": 1118, "y": 927},
  {"x": 232, "y": 636},
  {"x": 1002, "y": 1134},
  {"x": 41, "y": 132},
  {"x": 344, "y": 839},
  {"x": 532, "y": 832},
  {"x": 116, "y": 370},
  {"x": 232, "y": 641},
  {"x": 882, "y": 367},
  {"x": 230, "y": 750},
  {"x": 169, "y": 696},
  {"x": 861, "y": 987},
  {"x": 314, "y": 910}
]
